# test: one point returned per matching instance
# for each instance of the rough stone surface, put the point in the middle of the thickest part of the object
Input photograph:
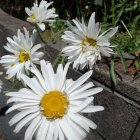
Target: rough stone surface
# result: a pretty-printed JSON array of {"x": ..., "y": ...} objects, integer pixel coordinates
[
  {"x": 6, "y": 132},
  {"x": 119, "y": 118},
  {"x": 9, "y": 26}
]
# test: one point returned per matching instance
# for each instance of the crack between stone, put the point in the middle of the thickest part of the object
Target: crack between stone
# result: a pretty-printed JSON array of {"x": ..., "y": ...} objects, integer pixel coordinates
[
  {"x": 133, "y": 132},
  {"x": 101, "y": 135}
]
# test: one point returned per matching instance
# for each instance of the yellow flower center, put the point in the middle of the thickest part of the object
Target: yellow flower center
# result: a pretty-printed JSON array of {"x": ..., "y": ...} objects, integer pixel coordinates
[
  {"x": 32, "y": 17},
  {"x": 54, "y": 104},
  {"x": 89, "y": 41},
  {"x": 24, "y": 56}
]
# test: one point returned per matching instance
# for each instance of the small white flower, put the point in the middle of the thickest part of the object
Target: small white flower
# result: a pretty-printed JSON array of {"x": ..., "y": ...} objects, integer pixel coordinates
[
  {"x": 40, "y": 14},
  {"x": 23, "y": 54},
  {"x": 52, "y": 106},
  {"x": 85, "y": 45}
]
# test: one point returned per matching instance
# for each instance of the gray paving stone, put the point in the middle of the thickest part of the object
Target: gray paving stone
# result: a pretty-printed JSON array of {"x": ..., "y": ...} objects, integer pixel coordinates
[{"x": 119, "y": 118}]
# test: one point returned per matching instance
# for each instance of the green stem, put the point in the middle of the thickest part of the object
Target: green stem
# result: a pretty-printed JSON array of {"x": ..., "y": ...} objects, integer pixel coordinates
[
  {"x": 52, "y": 32},
  {"x": 40, "y": 35},
  {"x": 63, "y": 60},
  {"x": 113, "y": 13},
  {"x": 57, "y": 59}
]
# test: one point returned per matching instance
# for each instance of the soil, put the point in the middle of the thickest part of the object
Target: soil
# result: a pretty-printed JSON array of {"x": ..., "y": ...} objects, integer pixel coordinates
[
  {"x": 2, "y": 137},
  {"x": 131, "y": 69}
]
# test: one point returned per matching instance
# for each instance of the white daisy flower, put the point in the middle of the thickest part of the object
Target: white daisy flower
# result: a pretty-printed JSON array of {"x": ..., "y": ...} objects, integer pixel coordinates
[
  {"x": 40, "y": 14},
  {"x": 23, "y": 54},
  {"x": 85, "y": 44},
  {"x": 52, "y": 106}
]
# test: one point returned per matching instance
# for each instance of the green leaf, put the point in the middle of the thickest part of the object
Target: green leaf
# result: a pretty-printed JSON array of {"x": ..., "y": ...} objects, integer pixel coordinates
[
  {"x": 120, "y": 53},
  {"x": 119, "y": 15},
  {"x": 112, "y": 72},
  {"x": 135, "y": 49}
]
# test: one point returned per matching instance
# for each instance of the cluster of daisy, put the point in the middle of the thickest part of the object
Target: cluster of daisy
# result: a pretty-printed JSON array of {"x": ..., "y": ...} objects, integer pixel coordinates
[{"x": 51, "y": 105}]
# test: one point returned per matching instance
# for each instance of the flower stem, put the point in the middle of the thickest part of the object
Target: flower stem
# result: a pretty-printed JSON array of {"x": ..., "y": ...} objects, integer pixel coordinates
[
  {"x": 113, "y": 13},
  {"x": 62, "y": 60},
  {"x": 57, "y": 59},
  {"x": 45, "y": 42}
]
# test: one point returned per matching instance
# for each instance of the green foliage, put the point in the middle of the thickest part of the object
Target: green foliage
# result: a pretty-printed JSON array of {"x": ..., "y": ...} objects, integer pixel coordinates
[{"x": 123, "y": 8}]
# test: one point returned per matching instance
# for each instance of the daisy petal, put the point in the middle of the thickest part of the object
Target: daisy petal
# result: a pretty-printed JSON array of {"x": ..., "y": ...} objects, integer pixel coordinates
[
  {"x": 81, "y": 106},
  {"x": 32, "y": 128},
  {"x": 79, "y": 82},
  {"x": 71, "y": 134},
  {"x": 41, "y": 26},
  {"x": 93, "y": 109},
  {"x": 21, "y": 115},
  {"x": 87, "y": 93},
  {"x": 31, "y": 84},
  {"x": 24, "y": 121}
]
